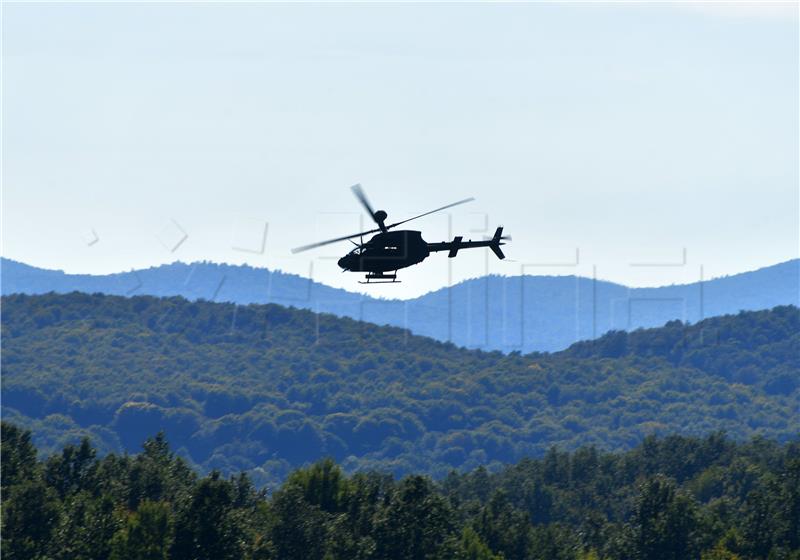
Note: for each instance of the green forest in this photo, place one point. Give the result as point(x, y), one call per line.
point(266, 389)
point(673, 498)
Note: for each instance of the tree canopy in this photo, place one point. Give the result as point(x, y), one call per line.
point(265, 389)
point(674, 498)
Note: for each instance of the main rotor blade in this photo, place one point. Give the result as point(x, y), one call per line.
point(362, 198)
point(329, 241)
point(470, 199)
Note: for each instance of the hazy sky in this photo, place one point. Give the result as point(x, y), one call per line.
point(135, 135)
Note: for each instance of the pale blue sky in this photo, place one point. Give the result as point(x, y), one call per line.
point(627, 131)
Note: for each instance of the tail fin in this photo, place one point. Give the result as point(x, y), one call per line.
point(495, 244)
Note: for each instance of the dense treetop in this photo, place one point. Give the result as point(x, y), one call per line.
point(264, 388)
point(675, 498)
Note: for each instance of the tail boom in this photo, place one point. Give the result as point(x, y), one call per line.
point(454, 246)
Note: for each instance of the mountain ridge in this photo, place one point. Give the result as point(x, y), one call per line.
point(508, 313)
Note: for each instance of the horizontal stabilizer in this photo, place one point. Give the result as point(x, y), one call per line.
point(455, 246)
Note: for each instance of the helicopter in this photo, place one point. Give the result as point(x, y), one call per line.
point(389, 251)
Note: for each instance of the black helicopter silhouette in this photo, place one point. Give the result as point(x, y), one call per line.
point(389, 251)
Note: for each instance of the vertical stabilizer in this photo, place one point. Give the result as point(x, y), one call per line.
point(495, 243)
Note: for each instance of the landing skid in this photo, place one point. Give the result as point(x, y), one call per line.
point(381, 279)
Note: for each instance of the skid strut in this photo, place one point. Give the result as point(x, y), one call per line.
point(380, 278)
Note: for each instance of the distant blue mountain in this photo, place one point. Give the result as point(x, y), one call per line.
point(517, 313)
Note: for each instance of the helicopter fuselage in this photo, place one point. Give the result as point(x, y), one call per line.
point(386, 252)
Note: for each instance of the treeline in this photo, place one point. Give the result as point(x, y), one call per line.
point(675, 498)
point(264, 388)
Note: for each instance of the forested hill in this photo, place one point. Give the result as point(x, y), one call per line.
point(758, 347)
point(264, 388)
point(514, 313)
